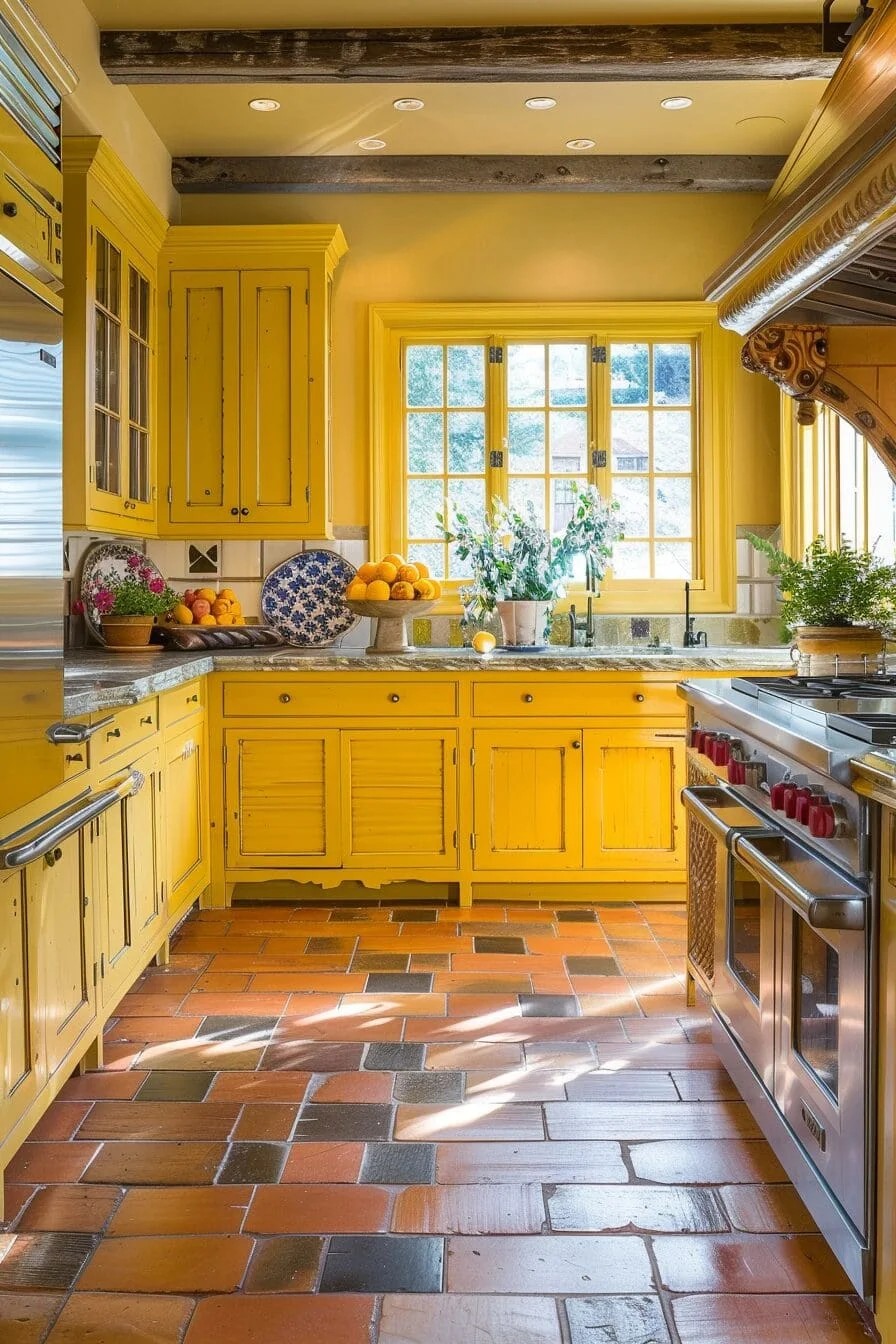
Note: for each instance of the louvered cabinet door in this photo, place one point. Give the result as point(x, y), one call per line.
point(527, 788)
point(634, 820)
point(399, 798)
point(282, 798)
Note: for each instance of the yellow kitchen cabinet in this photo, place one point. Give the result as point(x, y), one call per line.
point(399, 798)
point(527, 798)
point(245, 388)
point(282, 797)
point(113, 236)
point(22, 1069)
point(185, 807)
point(63, 965)
point(633, 779)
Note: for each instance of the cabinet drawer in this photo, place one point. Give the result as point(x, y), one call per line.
point(77, 758)
point(575, 699)
point(132, 725)
point(384, 696)
point(181, 702)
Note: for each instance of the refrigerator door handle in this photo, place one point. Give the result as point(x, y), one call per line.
point(62, 734)
point(17, 855)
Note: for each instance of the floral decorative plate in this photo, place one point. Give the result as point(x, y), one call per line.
point(107, 563)
point(303, 598)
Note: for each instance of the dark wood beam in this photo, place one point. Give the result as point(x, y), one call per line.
point(456, 55)
point(466, 172)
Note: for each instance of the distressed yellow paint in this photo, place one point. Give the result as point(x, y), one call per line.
point(399, 797)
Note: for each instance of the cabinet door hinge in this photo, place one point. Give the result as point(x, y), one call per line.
point(159, 779)
point(90, 475)
point(496, 458)
point(599, 457)
point(306, 298)
point(102, 965)
point(307, 494)
point(225, 755)
point(496, 354)
point(454, 840)
point(472, 839)
point(454, 755)
point(170, 493)
point(170, 299)
point(163, 893)
point(472, 755)
point(94, 972)
point(598, 354)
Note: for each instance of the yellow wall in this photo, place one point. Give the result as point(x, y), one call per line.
point(98, 107)
point(514, 247)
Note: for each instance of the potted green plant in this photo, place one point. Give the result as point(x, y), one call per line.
point(519, 570)
point(129, 607)
point(837, 604)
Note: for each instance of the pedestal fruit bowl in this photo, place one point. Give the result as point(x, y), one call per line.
point(390, 591)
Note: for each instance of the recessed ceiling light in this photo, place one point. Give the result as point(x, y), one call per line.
point(676, 104)
point(408, 104)
point(580, 144)
point(264, 104)
point(541, 104)
point(371, 142)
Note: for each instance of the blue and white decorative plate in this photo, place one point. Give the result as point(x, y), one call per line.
point(303, 598)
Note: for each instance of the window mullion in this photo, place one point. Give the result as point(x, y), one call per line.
point(496, 419)
point(600, 429)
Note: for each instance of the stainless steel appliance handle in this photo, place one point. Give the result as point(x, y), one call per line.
point(19, 854)
point(821, 912)
point(61, 734)
point(703, 801)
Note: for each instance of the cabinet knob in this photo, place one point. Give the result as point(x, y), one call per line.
point(527, 699)
point(244, 512)
point(235, 512)
point(577, 746)
point(10, 209)
point(285, 699)
point(113, 732)
point(394, 698)
point(193, 699)
point(639, 697)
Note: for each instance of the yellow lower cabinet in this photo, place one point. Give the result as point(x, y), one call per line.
point(22, 1068)
point(64, 984)
point(282, 797)
point(633, 778)
point(185, 807)
point(399, 798)
point(527, 798)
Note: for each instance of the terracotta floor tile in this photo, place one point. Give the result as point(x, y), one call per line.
point(451, 982)
point(487, 1008)
point(156, 1163)
point(757, 1319)
point(95, 1086)
point(622, 1085)
point(517, 1163)
point(404, 1005)
point(647, 1054)
point(259, 1087)
point(353, 1087)
point(121, 1318)
point(520, 1084)
point(50, 1163)
point(149, 1005)
point(222, 982)
point(194, 941)
point(343, 1028)
point(254, 1319)
point(704, 1085)
point(160, 1120)
point(473, 1055)
point(24, 1317)
point(766, 1208)
point(619, 1319)
point(60, 1121)
point(322, 1162)
point(636, 1208)
point(180, 1210)
point(654, 1120)
point(568, 1264)
point(42, 1261)
point(298, 981)
point(711, 1162)
point(201, 1055)
point(196, 1264)
point(151, 1029)
point(742, 1264)
point(250, 1005)
point(469, 1209)
point(70, 1208)
point(268, 1121)
point(469, 1121)
point(456, 1319)
point(166, 980)
point(322, 1209)
point(15, 1198)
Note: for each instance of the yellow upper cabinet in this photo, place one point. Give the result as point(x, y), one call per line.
point(245, 384)
point(113, 237)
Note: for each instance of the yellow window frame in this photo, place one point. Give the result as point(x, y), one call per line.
point(393, 326)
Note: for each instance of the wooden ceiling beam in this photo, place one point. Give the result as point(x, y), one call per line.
point(467, 172)
point(468, 55)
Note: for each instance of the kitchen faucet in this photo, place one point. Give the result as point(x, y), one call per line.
point(693, 639)
point(576, 623)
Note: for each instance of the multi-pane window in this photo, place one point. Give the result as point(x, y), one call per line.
point(138, 383)
point(527, 420)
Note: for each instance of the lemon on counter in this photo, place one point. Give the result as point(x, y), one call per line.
point(483, 642)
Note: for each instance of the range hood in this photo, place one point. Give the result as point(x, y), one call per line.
point(824, 248)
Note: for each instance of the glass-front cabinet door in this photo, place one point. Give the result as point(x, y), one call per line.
point(123, 358)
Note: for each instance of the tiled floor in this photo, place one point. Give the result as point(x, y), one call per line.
point(412, 1126)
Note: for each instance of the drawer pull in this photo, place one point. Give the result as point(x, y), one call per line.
point(394, 698)
point(639, 697)
point(193, 699)
point(74, 756)
point(113, 732)
point(235, 512)
point(147, 719)
point(527, 699)
point(285, 699)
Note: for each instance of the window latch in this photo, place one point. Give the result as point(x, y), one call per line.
point(599, 457)
point(496, 458)
point(598, 354)
point(496, 354)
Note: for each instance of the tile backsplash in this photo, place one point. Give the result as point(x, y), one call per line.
point(241, 565)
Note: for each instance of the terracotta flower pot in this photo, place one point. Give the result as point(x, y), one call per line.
point(826, 650)
point(523, 623)
point(127, 632)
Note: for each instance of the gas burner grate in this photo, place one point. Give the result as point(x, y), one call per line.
point(820, 688)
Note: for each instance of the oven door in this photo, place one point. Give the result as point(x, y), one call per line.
point(822, 1064)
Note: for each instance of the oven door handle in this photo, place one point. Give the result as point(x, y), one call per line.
point(821, 912)
point(703, 802)
point(23, 851)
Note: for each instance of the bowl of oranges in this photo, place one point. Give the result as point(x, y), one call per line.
point(391, 590)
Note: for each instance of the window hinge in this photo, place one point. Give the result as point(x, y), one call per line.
point(170, 493)
point(598, 354)
point(102, 965)
point(90, 475)
point(94, 972)
point(307, 494)
point(472, 839)
point(159, 778)
point(599, 457)
point(496, 458)
point(496, 354)
point(162, 893)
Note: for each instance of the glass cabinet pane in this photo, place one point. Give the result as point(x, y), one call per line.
point(107, 367)
point(745, 930)
point(816, 1016)
point(138, 385)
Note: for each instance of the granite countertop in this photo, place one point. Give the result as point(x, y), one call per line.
point(96, 679)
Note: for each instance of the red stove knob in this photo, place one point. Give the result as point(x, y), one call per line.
point(776, 795)
point(803, 805)
point(790, 795)
point(737, 771)
point(822, 819)
point(720, 753)
point(704, 743)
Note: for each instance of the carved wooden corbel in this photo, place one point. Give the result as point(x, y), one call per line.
point(793, 357)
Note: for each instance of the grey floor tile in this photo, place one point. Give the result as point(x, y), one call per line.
point(386, 1057)
point(549, 1005)
point(385, 982)
point(176, 1085)
point(592, 966)
point(399, 1164)
point(431, 1086)
point(514, 946)
point(616, 1320)
point(383, 1265)
point(344, 1121)
point(253, 1164)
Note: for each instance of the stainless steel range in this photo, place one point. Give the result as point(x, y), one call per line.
point(783, 900)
